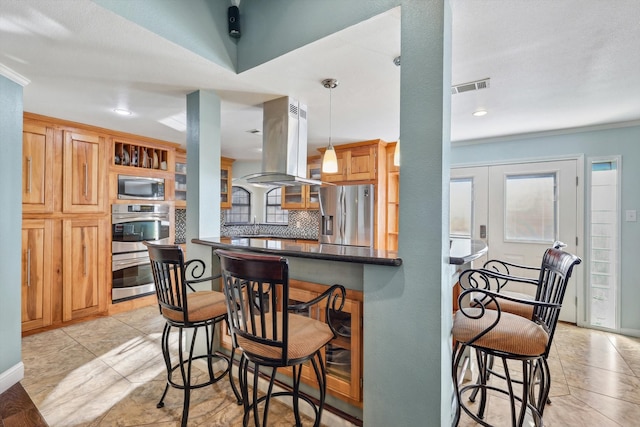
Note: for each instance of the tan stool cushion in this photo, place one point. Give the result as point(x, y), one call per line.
point(514, 307)
point(203, 305)
point(306, 336)
point(513, 334)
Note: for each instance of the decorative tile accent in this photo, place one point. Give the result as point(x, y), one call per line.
point(181, 225)
point(302, 225)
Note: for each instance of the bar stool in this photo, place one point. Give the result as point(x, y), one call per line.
point(495, 333)
point(186, 309)
point(264, 327)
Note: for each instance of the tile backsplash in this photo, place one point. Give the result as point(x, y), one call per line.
point(302, 225)
point(181, 225)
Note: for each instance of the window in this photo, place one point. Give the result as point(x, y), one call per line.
point(604, 241)
point(275, 213)
point(240, 211)
point(531, 208)
point(461, 207)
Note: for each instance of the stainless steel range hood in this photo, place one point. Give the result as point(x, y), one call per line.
point(284, 144)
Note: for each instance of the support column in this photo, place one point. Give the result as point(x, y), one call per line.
point(203, 170)
point(407, 310)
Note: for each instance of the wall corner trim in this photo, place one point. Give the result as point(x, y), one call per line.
point(13, 76)
point(11, 376)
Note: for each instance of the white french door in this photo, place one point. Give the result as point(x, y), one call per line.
point(519, 210)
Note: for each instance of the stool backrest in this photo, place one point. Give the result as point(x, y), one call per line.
point(167, 265)
point(256, 289)
point(555, 272)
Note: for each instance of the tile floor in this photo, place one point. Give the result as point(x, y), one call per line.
point(595, 382)
point(109, 372)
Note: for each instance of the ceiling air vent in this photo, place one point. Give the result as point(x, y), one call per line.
point(467, 87)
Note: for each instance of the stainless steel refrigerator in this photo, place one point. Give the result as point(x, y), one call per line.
point(347, 215)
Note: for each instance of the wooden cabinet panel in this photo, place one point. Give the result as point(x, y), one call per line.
point(361, 163)
point(226, 165)
point(37, 168)
point(84, 175)
point(393, 200)
point(133, 156)
point(36, 273)
point(83, 268)
point(304, 196)
point(181, 180)
point(356, 162)
point(343, 355)
point(341, 174)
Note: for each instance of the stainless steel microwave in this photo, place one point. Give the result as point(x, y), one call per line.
point(140, 188)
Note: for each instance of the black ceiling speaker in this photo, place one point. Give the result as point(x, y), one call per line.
point(233, 15)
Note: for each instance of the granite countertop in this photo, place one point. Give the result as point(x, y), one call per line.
point(462, 250)
point(315, 250)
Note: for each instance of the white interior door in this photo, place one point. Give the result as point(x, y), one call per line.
point(528, 207)
point(469, 200)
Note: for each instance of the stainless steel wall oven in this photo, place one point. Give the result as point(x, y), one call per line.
point(130, 226)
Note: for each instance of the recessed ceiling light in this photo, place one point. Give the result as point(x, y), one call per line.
point(480, 113)
point(122, 111)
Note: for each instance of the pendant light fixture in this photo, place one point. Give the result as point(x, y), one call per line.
point(329, 160)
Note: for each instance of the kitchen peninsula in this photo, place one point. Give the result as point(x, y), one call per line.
point(313, 267)
point(463, 251)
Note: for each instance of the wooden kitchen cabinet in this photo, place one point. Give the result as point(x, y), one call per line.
point(365, 162)
point(36, 273)
point(393, 199)
point(356, 162)
point(134, 155)
point(304, 196)
point(84, 173)
point(226, 165)
point(84, 268)
point(37, 168)
point(343, 355)
point(181, 180)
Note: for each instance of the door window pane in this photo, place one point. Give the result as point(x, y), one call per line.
point(461, 207)
point(530, 208)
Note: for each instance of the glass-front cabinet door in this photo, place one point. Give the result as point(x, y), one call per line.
point(343, 355)
point(225, 182)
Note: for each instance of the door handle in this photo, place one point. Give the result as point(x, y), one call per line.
point(86, 179)
point(29, 167)
point(28, 267)
point(84, 260)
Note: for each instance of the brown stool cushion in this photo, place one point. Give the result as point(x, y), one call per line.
point(306, 336)
point(513, 334)
point(203, 305)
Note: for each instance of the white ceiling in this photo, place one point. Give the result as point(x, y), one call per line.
point(552, 64)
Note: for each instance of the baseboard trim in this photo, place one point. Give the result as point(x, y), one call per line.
point(11, 376)
point(630, 332)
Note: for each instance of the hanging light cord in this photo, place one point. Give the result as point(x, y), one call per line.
point(330, 115)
